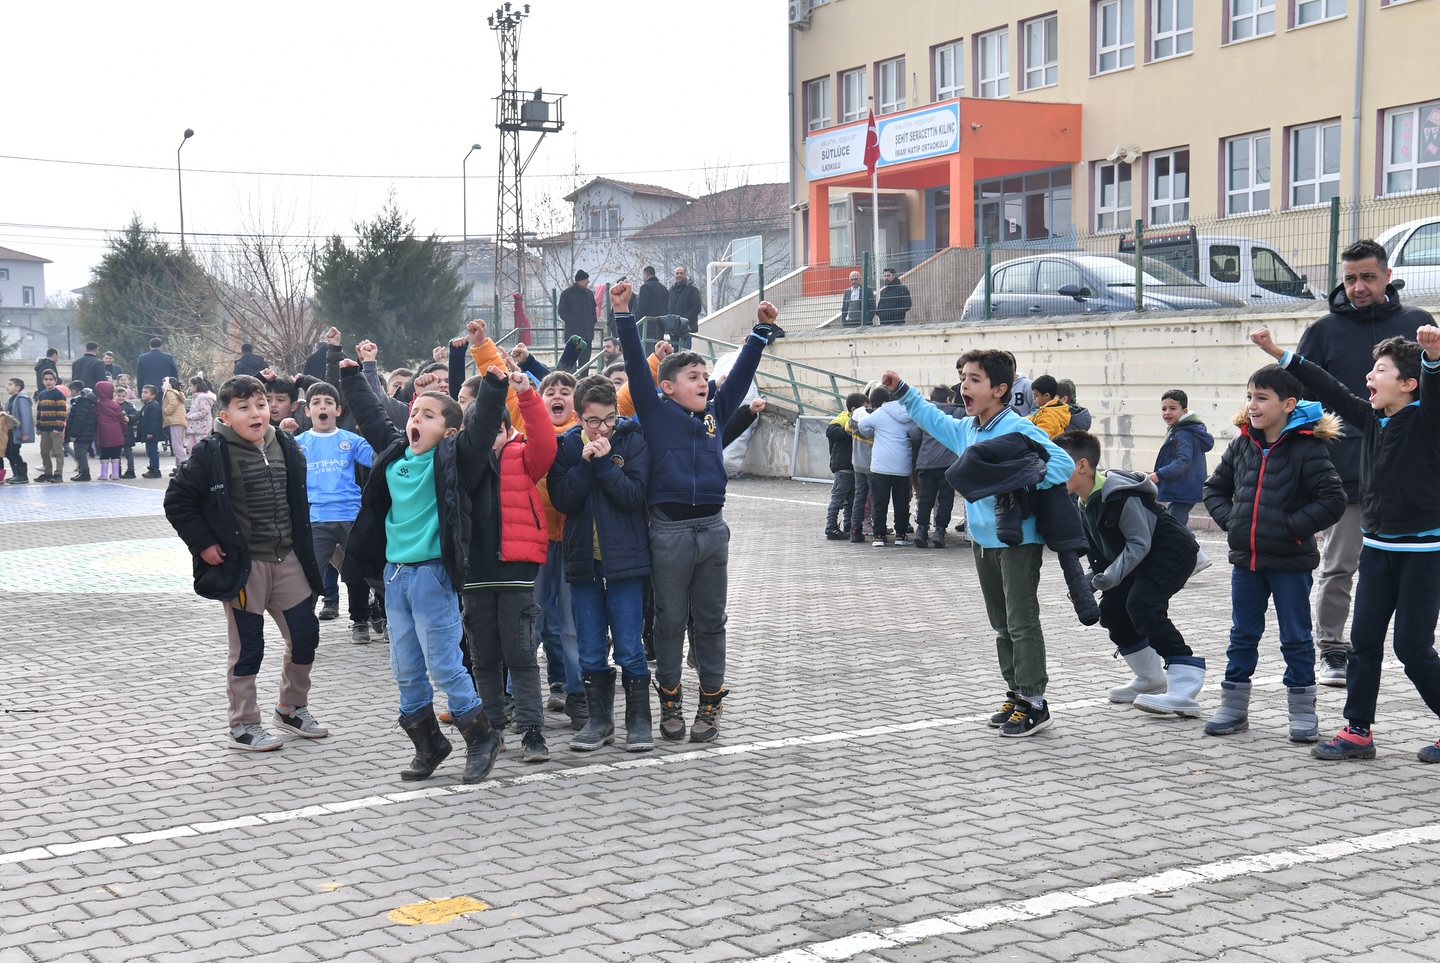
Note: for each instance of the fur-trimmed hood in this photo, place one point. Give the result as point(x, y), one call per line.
point(1307, 416)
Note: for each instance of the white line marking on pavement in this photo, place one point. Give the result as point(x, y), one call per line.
point(1038, 907)
point(767, 498)
point(125, 840)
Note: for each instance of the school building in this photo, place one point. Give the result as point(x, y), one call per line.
point(1040, 120)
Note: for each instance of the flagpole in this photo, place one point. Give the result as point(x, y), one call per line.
point(875, 206)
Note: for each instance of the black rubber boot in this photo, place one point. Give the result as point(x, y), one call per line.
point(431, 747)
point(600, 701)
point(482, 744)
point(1082, 596)
point(576, 709)
point(639, 737)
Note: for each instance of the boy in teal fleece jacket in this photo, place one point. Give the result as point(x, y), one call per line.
point(1009, 575)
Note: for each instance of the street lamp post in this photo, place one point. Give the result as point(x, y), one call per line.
point(465, 221)
point(180, 181)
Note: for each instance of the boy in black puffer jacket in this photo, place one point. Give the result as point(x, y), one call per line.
point(1274, 490)
point(80, 428)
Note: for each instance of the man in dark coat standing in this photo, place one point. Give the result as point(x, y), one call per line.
point(250, 363)
point(1365, 309)
point(88, 367)
point(685, 301)
point(894, 300)
point(652, 300)
point(857, 304)
point(154, 366)
point(577, 313)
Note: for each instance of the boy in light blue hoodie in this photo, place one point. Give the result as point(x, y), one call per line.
point(1009, 575)
point(891, 462)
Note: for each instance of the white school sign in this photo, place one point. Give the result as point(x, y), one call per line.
point(909, 136)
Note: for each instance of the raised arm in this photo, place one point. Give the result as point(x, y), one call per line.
point(641, 382)
point(371, 420)
point(1331, 393)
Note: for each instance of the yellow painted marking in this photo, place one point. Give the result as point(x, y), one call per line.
point(435, 911)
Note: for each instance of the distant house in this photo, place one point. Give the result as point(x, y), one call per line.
point(605, 215)
point(30, 343)
point(22, 286)
point(617, 232)
point(475, 260)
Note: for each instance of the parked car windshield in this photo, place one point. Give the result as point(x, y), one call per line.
point(1118, 271)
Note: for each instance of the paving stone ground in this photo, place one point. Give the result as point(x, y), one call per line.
point(854, 788)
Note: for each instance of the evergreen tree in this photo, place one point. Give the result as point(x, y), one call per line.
point(400, 291)
point(142, 288)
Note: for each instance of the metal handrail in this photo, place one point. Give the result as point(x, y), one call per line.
point(834, 396)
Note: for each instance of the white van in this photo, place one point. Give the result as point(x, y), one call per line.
point(1241, 266)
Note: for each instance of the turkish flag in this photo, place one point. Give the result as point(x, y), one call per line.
point(872, 145)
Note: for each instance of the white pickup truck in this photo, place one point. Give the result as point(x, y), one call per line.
point(1240, 266)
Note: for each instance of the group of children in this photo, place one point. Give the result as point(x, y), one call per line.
point(1273, 491)
point(105, 423)
point(456, 527)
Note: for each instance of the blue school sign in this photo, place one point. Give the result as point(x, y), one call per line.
point(910, 136)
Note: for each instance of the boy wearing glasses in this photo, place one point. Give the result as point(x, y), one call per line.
point(599, 482)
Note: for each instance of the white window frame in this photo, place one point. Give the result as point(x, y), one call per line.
point(603, 221)
point(1323, 10)
point(1108, 216)
point(1251, 191)
point(1175, 204)
point(1181, 39)
point(1044, 72)
point(993, 50)
point(1421, 116)
point(852, 111)
point(1322, 176)
point(892, 100)
point(1122, 51)
point(949, 58)
point(4, 274)
point(817, 90)
point(27, 297)
point(1257, 17)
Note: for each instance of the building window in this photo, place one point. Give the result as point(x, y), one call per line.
point(605, 221)
point(1042, 52)
point(839, 232)
point(1170, 187)
point(1172, 28)
point(950, 70)
point(1251, 18)
point(994, 57)
point(27, 297)
point(1412, 149)
point(1314, 164)
point(891, 85)
point(817, 104)
point(1247, 174)
point(1112, 197)
point(1314, 11)
point(4, 274)
point(852, 96)
point(1114, 35)
point(1025, 207)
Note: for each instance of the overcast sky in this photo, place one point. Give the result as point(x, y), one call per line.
point(669, 92)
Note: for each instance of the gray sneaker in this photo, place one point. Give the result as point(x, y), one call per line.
point(253, 738)
point(360, 633)
point(556, 702)
point(300, 722)
point(1332, 669)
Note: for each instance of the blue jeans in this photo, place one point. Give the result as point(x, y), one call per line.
point(557, 626)
point(425, 633)
point(617, 604)
point(842, 493)
point(152, 455)
point(330, 581)
point(1180, 511)
point(1250, 594)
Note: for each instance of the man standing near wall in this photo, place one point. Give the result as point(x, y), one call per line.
point(154, 366)
point(577, 313)
point(1365, 309)
point(857, 304)
point(88, 367)
point(685, 300)
point(894, 299)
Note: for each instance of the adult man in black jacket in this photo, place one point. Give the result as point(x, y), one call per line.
point(857, 304)
point(652, 300)
point(1365, 309)
point(250, 363)
point(155, 365)
point(577, 312)
point(685, 300)
point(88, 367)
point(894, 300)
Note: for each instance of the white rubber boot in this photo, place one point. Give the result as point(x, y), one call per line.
point(1149, 671)
point(1182, 685)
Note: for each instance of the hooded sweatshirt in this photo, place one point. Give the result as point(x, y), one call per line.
point(1126, 530)
point(1342, 343)
point(1181, 461)
point(889, 425)
point(1272, 498)
point(110, 418)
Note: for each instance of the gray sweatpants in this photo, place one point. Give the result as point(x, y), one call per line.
point(1339, 560)
point(690, 563)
